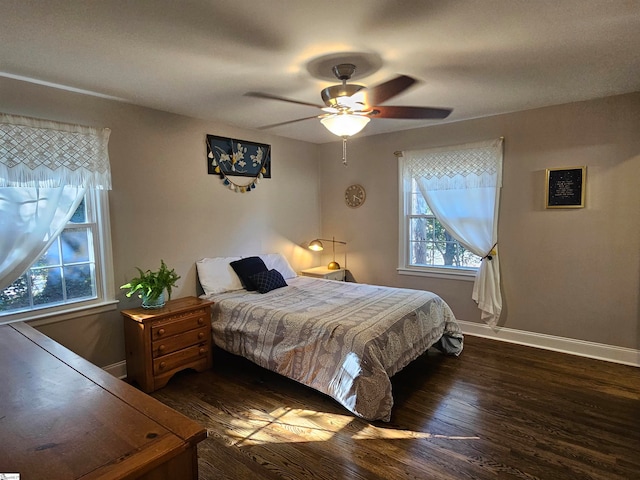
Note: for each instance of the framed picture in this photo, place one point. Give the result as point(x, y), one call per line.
point(237, 157)
point(565, 187)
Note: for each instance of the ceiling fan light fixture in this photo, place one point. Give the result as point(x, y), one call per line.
point(345, 124)
point(348, 107)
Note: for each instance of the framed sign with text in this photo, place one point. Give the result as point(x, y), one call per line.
point(565, 187)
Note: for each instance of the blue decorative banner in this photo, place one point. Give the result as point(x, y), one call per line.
point(228, 156)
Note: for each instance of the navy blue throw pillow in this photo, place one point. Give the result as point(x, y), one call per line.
point(247, 267)
point(267, 281)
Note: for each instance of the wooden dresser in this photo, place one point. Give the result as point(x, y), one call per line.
point(160, 342)
point(62, 417)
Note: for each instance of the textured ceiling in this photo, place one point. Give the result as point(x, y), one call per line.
point(199, 58)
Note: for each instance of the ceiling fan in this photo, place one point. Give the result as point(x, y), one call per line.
point(348, 107)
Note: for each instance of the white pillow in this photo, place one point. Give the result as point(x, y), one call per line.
point(217, 276)
point(278, 262)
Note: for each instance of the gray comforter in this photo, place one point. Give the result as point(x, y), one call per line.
point(343, 339)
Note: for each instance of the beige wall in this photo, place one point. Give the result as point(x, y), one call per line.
point(568, 273)
point(165, 205)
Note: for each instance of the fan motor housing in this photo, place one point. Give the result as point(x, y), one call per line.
point(330, 94)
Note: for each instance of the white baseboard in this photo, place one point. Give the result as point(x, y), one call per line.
point(118, 370)
point(600, 351)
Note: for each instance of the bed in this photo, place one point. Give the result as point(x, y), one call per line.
point(343, 339)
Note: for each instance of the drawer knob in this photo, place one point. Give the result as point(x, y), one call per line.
point(162, 348)
point(203, 351)
point(200, 321)
point(162, 365)
point(161, 331)
point(201, 335)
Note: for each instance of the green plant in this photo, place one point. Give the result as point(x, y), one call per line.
point(152, 284)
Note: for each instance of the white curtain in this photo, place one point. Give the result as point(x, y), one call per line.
point(461, 185)
point(45, 170)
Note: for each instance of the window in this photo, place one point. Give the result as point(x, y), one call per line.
point(448, 195)
point(425, 245)
point(428, 243)
point(448, 205)
point(54, 220)
point(75, 271)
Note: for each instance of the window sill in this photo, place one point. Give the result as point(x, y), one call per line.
point(37, 319)
point(446, 273)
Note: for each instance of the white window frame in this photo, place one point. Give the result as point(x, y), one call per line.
point(97, 204)
point(404, 267)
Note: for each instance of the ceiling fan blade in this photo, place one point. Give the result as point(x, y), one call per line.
point(269, 96)
point(411, 112)
point(273, 125)
point(389, 89)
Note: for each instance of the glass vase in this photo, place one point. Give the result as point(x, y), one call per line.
point(153, 303)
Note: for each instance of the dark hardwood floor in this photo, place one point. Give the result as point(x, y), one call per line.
point(499, 411)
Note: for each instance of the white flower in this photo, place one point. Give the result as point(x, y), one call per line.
point(239, 153)
point(257, 158)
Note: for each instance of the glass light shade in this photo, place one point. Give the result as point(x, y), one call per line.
point(345, 124)
point(316, 246)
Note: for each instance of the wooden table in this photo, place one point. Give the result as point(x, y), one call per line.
point(62, 417)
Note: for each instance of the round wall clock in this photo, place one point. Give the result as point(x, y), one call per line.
point(354, 195)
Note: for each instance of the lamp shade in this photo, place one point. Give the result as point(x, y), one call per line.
point(316, 245)
point(345, 124)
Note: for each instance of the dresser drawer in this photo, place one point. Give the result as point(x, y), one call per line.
point(178, 324)
point(176, 342)
point(177, 359)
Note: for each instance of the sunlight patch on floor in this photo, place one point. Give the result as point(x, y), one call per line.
point(372, 432)
point(285, 425)
point(290, 425)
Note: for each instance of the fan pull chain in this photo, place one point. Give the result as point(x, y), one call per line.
point(344, 151)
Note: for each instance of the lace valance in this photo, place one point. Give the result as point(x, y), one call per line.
point(472, 165)
point(46, 154)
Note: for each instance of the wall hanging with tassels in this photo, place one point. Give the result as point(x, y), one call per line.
point(228, 157)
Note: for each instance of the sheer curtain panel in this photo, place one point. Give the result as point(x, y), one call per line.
point(461, 184)
point(45, 170)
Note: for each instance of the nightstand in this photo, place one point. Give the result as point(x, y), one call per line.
point(161, 342)
point(324, 272)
